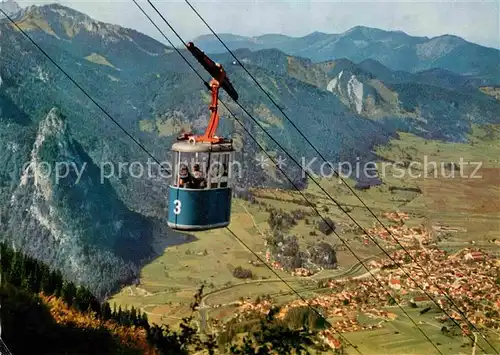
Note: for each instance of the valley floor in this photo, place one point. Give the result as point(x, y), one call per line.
point(441, 211)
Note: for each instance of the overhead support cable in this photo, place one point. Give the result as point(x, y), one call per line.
point(295, 186)
point(445, 294)
point(156, 160)
point(249, 133)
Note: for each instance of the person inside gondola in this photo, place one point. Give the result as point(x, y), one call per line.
point(224, 175)
point(197, 178)
point(184, 177)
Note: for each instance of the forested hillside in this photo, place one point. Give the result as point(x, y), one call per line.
point(59, 317)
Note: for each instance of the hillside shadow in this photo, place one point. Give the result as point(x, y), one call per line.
point(11, 113)
point(165, 237)
point(152, 235)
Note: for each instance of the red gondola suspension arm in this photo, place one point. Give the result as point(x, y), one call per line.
point(219, 80)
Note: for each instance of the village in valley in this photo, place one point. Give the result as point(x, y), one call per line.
point(419, 276)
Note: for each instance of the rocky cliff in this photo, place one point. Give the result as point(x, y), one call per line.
point(64, 213)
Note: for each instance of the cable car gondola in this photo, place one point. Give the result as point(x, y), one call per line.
point(199, 197)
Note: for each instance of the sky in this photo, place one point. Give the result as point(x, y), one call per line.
point(476, 21)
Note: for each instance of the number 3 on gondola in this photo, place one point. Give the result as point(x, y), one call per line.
point(177, 206)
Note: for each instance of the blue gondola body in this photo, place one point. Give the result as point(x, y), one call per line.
point(199, 197)
point(190, 209)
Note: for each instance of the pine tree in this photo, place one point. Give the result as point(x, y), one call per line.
point(35, 281)
point(68, 293)
point(84, 300)
point(56, 281)
point(45, 285)
point(145, 321)
point(133, 316)
point(95, 305)
point(114, 315)
point(106, 311)
point(120, 315)
point(16, 272)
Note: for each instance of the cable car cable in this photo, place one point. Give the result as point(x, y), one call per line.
point(172, 45)
point(321, 156)
point(279, 145)
point(335, 232)
point(332, 227)
point(255, 121)
point(409, 276)
point(99, 106)
point(340, 177)
point(83, 90)
point(368, 270)
point(348, 186)
point(234, 235)
point(255, 140)
point(142, 147)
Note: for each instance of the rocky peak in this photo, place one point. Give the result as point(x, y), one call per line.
point(98, 42)
point(54, 125)
point(52, 145)
point(65, 21)
point(79, 223)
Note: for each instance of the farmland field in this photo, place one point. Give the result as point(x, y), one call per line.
point(400, 336)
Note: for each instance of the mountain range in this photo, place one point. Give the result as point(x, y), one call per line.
point(394, 49)
point(436, 103)
point(100, 231)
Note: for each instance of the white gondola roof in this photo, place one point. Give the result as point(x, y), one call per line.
point(187, 147)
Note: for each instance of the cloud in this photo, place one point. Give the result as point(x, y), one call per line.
point(476, 21)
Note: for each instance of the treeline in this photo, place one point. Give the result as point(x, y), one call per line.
point(32, 326)
point(28, 274)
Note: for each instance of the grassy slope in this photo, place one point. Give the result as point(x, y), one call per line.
point(168, 283)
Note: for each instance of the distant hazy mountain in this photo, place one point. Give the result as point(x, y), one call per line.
point(10, 7)
point(433, 103)
point(394, 49)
